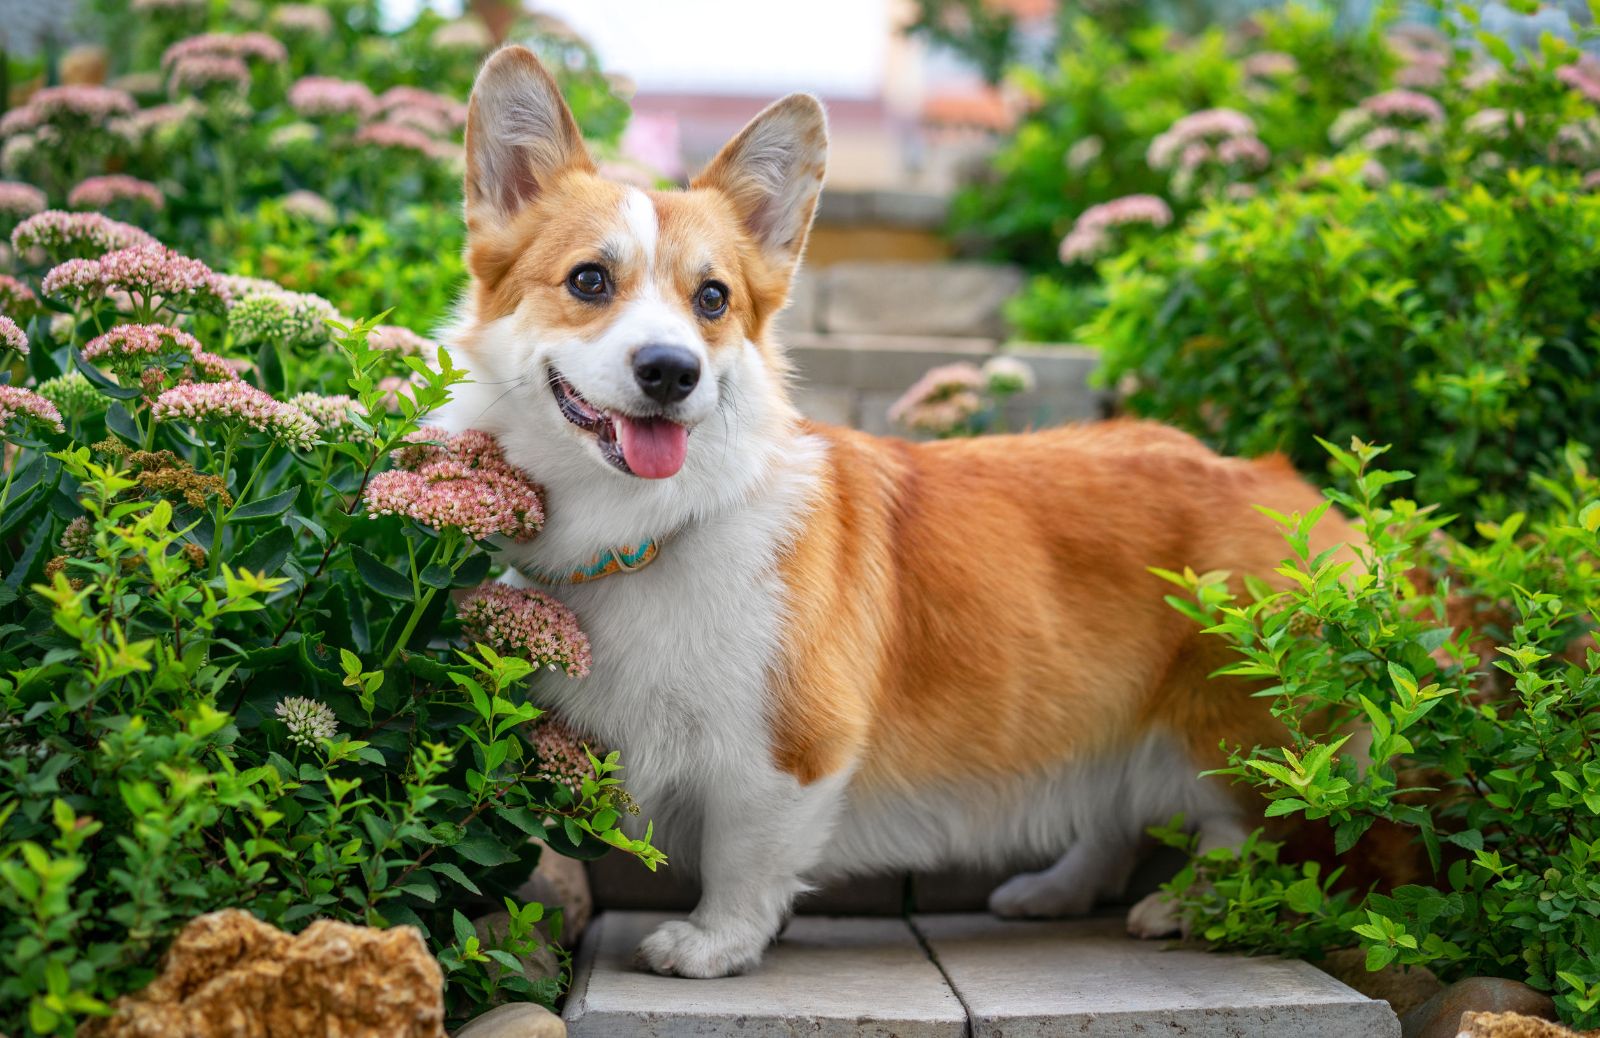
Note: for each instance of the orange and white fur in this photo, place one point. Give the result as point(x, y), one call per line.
point(852, 654)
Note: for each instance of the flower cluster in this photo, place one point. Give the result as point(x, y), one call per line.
point(77, 538)
point(308, 721)
point(462, 481)
point(397, 136)
point(1217, 144)
point(1582, 76)
point(325, 96)
point(134, 348)
point(297, 318)
point(1091, 237)
point(16, 297)
point(1007, 376)
point(72, 393)
point(247, 46)
point(200, 73)
point(74, 104)
point(563, 758)
point(526, 623)
point(334, 415)
point(1269, 64)
point(302, 20)
point(240, 404)
point(309, 206)
point(403, 341)
point(464, 34)
point(423, 109)
point(153, 276)
point(16, 402)
point(12, 337)
point(60, 235)
point(942, 400)
point(104, 192)
point(18, 200)
point(1402, 121)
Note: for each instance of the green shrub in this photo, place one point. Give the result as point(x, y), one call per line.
point(1456, 324)
point(231, 669)
point(1473, 671)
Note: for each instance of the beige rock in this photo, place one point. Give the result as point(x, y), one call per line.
point(84, 64)
point(561, 882)
point(1441, 1015)
point(1403, 987)
point(1515, 1025)
point(516, 1020)
point(229, 975)
point(492, 929)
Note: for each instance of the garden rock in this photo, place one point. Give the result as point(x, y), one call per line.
point(1515, 1025)
point(516, 1020)
point(561, 882)
point(1441, 1015)
point(229, 975)
point(541, 964)
point(1404, 988)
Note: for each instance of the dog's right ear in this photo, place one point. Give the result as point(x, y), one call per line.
point(520, 135)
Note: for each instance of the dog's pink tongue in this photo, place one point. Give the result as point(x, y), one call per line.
point(653, 447)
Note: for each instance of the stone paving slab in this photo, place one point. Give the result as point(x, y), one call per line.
point(826, 977)
point(1086, 977)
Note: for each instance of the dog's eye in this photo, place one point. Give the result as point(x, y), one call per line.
point(712, 299)
point(589, 282)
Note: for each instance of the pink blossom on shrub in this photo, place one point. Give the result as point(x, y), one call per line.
point(16, 297)
point(1269, 64)
point(16, 402)
point(18, 199)
point(141, 343)
point(101, 192)
point(77, 102)
point(1582, 78)
point(463, 482)
point(942, 399)
point(1492, 122)
point(400, 340)
point(528, 624)
point(197, 73)
point(59, 234)
point(248, 46)
point(237, 403)
point(1081, 245)
point(1129, 209)
point(306, 19)
point(325, 95)
point(467, 34)
point(12, 337)
point(1211, 124)
point(415, 99)
point(1404, 105)
point(1247, 152)
point(333, 413)
point(77, 279)
point(398, 137)
point(158, 276)
point(238, 286)
point(310, 206)
point(563, 761)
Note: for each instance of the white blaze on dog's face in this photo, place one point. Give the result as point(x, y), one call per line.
point(638, 312)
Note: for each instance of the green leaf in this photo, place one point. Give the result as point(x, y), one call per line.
point(455, 875)
point(482, 849)
point(265, 508)
point(266, 554)
point(379, 577)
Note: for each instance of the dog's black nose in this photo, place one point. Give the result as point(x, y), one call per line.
point(667, 374)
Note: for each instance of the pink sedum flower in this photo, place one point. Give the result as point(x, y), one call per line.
point(395, 137)
point(464, 482)
point(75, 103)
point(76, 279)
point(60, 234)
point(1129, 209)
point(325, 96)
point(131, 348)
point(248, 46)
point(18, 403)
point(155, 276)
point(103, 192)
point(17, 199)
point(941, 400)
point(309, 206)
point(16, 297)
point(1207, 125)
point(408, 99)
point(563, 759)
point(528, 624)
point(237, 404)
point(198, 73)
point(1404, 106)
point(12, 337)
point(404, 341)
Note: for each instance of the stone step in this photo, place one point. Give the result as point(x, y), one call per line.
point(848, 977)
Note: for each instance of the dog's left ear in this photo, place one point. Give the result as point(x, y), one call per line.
point(772, 173)
point(520, 136)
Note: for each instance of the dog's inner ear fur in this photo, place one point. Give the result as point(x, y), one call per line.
point(520, 135)
point(772, 174)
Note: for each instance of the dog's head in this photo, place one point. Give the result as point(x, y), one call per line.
point(629, 326)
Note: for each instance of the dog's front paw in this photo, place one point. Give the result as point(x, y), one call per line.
point(1156, 915)
point(682, 949)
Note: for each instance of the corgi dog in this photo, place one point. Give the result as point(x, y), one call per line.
point(825, 653)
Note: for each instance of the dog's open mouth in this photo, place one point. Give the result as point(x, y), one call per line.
point(649, 446)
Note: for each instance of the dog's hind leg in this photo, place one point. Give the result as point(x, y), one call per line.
point(1095, 867)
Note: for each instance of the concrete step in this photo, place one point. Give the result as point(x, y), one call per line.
point(850, 977)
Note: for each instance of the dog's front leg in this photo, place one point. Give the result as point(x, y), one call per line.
point(759, 836)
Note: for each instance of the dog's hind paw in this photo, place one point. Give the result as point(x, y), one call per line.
point(1156, 915)
point(682, 949)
